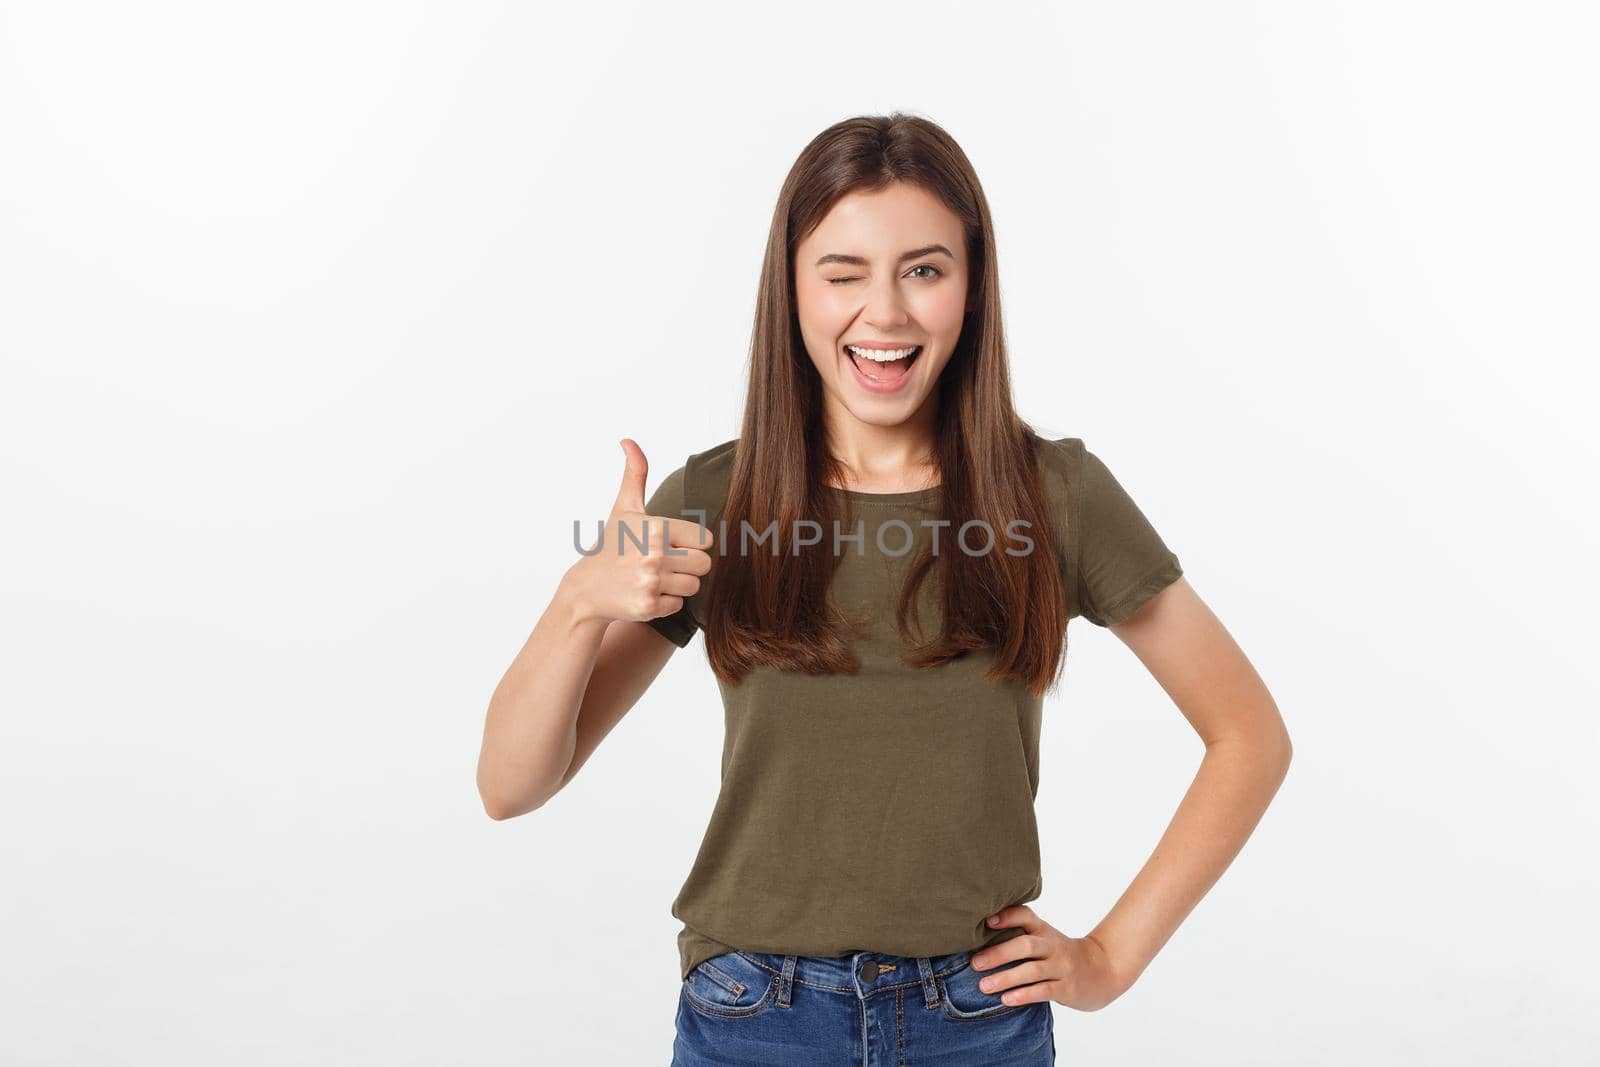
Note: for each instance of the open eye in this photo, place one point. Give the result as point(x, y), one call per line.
point(929, 266)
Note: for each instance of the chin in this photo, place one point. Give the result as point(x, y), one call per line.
point(885, 414)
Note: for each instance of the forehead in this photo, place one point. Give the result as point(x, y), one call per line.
point(884, 222)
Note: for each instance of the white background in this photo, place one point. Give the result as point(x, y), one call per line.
point(321, 322)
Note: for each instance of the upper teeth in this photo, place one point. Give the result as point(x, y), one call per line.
point(882, 355)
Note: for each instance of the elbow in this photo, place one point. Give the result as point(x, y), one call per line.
point(507, 791)
point(1282, 753)
point(495, 809)
point(500, 807)
point(500, 810)
point(1266, 750)
point(494, 806)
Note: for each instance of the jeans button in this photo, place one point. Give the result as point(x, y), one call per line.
point(869, 970)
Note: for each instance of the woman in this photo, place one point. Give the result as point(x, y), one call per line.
point(884, 578)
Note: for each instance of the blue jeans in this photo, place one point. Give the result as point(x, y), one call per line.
point(867, 1009)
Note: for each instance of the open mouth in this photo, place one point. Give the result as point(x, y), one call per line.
point(886, 366)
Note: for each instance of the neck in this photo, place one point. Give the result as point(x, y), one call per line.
point(885, 459)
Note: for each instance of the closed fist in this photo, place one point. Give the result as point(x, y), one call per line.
point(647, 565)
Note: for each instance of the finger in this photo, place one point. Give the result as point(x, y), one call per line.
point(688, 561)
point(631, 496)
point(654, 534)
point(674, 584)
point(637, 534)
point(1031, 993)
point(1001, 952)
point(684, 533)
point(1016, 915)
point(1022, 974)
point(666, 604)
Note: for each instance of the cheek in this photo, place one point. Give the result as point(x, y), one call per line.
point(943, 312)
point(814, 306)
point(816, 331)
point(823, 319)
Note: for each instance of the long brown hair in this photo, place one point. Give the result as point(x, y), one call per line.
point(772, 609)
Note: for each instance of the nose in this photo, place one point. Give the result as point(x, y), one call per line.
point(885, 309)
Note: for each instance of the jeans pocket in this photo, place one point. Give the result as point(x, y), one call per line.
point(730, 986)
point(963, 1001)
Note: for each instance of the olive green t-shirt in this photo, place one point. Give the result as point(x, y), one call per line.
point(889, 810)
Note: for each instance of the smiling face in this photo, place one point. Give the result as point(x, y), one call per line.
point(886, 270)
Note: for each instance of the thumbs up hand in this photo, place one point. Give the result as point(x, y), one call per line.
point(623, 581)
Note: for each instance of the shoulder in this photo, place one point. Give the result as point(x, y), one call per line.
point(1062, 456)
point(714, 462)
point(707, 476)
point(700, 482)
point(1062, 463)
point(1115, 556)
point(1075, 473)
point(1083, 492)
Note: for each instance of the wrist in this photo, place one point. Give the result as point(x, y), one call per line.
point(573, 606)
point(1123, 966)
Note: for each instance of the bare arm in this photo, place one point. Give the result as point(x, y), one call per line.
point(1194, 658)
point(574, 679)
point(590, 656)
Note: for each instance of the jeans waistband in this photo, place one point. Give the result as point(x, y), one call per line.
point(860, 974)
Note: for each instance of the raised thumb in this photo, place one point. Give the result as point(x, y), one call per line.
point(631, 496)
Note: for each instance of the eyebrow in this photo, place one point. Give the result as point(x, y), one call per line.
point(860, 261)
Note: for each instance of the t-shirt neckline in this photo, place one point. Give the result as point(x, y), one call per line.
point(909, 496)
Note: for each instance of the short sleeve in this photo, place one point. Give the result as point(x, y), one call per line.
point(1120, 559)
point(669, 500)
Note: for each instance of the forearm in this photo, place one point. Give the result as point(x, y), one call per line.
point(1237, 779)
point(531, 729)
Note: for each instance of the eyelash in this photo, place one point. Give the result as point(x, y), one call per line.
point(919, 266)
